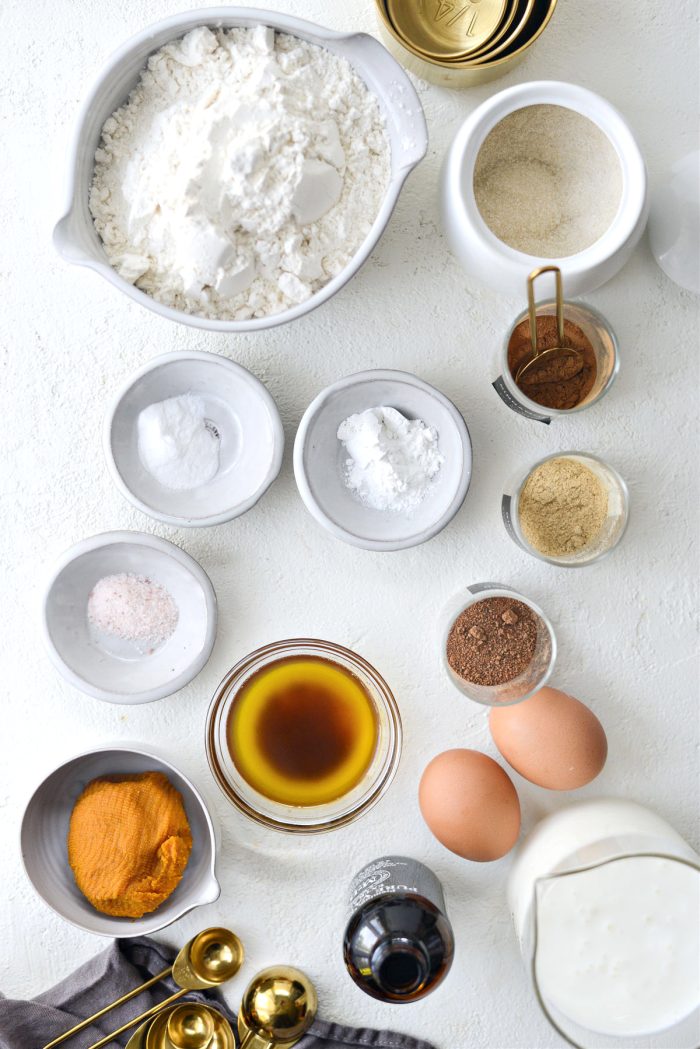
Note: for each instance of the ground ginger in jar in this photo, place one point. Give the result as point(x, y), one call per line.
point(562, 508)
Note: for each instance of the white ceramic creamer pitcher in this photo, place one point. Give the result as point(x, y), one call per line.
point(605, 896)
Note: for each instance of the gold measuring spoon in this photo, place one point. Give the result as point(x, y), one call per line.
point(208, 960)
point(556, 352)
point(277, 1009)
point(189, 1026)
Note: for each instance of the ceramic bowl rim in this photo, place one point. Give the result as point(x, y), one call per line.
point(155, 542)
point(300, 473)
point(133, 930)
point(255, 385)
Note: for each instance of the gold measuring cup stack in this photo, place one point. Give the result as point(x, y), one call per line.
point(459, 43)
point(188, 1026)
point(277, 1009)
point(208, 960)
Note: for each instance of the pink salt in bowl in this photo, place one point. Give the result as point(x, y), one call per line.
point(112, 668)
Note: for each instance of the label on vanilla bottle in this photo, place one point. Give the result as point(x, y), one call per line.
point(508, 398)
point(395, 874)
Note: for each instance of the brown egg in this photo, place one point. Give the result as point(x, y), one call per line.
point(470, 805)
point(551, 739)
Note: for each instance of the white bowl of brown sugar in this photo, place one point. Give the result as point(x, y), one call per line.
point(541, 172)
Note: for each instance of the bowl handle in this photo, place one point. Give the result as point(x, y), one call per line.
point(211, 890)
point(68, 242)
point(389, 80)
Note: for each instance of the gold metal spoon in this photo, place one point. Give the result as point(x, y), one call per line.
point(559, 351)
point(208, 960)
point(189, 1026)
point(277, 1009)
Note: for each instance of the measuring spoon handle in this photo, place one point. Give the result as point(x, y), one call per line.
point(118, 1001)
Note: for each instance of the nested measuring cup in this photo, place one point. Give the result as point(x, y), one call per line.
point(603, 343)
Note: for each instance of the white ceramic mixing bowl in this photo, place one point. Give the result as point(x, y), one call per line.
point(112, 669)
point(44, 833)
point(239, 407)
point(75, 235)
point(487, 258)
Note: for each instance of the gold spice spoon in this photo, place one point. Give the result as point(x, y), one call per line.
point(540, 357)
point(277, 1009)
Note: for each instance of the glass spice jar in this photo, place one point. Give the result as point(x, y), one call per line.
point(609, 535)
point(539, 668)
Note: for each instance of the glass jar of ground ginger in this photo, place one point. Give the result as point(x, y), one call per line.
point(569, 509)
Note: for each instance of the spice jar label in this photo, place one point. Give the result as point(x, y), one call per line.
point(506, 503)
point(478, 587)
point(508, 398)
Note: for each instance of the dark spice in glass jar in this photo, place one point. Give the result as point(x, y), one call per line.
point(558, 382)
point(492, 641)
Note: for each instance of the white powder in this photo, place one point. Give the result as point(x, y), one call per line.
point(176, 445)
point(547, 181)
point(132, 608)
point(391, 460)
point(242, 174)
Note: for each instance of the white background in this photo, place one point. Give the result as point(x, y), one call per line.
point(625, 627)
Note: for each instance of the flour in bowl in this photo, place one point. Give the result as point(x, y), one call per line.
point(241, 175)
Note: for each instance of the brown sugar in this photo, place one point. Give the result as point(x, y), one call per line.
point(558, 382)
point(128, 843)
point(492, 641)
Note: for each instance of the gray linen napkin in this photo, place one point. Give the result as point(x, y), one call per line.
point(126, 963)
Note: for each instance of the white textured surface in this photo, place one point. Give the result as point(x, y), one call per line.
point(625, 626)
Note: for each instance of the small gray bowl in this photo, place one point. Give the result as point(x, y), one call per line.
point(44, 833)
point(237, 404)
point(112, 669)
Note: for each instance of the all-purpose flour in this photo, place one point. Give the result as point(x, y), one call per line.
point(242, 174)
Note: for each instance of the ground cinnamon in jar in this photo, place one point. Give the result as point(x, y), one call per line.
point(558, 382)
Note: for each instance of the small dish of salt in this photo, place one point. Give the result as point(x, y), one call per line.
point(128, 617)
point(382, 460)
point(193, 439)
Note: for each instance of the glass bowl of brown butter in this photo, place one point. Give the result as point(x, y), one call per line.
point(303, 736)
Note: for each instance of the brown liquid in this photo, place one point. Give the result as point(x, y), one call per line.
point(303, 730)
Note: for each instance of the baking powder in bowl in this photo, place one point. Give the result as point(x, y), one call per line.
point(391, 460)
point(242, 174)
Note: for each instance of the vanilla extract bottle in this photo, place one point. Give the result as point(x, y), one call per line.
point(398, 943)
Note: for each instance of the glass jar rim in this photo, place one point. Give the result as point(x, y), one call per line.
point(481, 592)
point(515, 503)
point(541, 409)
